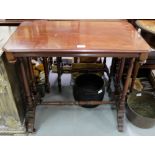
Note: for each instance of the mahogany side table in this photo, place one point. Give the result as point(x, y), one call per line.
point(76, 38)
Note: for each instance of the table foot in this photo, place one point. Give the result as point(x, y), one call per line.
point(30, 118)
point(120, 128)
point(120, 119)
point(113, 107)
point(47, 87)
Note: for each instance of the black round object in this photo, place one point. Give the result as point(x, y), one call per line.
point(88, 87)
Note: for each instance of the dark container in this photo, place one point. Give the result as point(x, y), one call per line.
point(140, 109)
point(88, 87)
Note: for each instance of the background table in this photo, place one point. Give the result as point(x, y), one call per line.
point(148, 33)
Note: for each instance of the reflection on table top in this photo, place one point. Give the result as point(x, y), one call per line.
point(109, 36)
point(147, 25)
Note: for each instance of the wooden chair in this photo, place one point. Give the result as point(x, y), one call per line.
point(83, 65)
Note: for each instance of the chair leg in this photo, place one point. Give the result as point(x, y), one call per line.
point(119, 75)
point(106, 68)
point(75, 59)
point(50, 62)
point(135, 73)
point(59, 61)
point(47, 84)
point(112, 74)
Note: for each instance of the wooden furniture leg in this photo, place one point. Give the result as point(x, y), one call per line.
point(59, 60)
point(121, 105)
point(112, 68)
point(33, 81)
point(105, 67)
point(36, 96)
point(29, 77)
point(30, 107)
point(46, 69)
point(75, 59)
point(119, 75)
point(137, 65)
point(50, 62)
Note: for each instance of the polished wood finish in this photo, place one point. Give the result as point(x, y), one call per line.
point(75, 37)
point(17, 22)
point(79, 39)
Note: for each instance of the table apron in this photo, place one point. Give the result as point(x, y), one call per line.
point(47, 54)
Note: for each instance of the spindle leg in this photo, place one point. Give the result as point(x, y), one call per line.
point(121, 105)
point(59, 61)
point(30, 106)
point(46, 69)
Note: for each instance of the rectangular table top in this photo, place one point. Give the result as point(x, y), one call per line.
point(72, 36)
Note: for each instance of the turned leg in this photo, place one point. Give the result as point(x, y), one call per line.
point(75, 59)
point(137, 65)
point(116, 75)
point(112, 68)
point(119, 76)
point(112, 73)
point(117, 81)
point(105, 67)
point(33, 80)
point(47, 84)
point(121, 105)
point(36, 95)
point(30, 106)
point(50, 62)
point(59, 60)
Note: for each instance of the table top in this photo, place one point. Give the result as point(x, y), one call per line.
point(76, 36)
point(147, 25)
